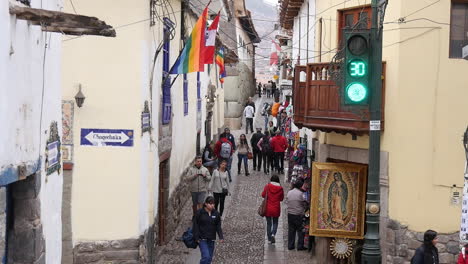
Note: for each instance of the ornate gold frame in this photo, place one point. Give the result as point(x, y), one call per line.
point(318, 190)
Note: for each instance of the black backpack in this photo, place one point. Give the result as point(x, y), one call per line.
point(187, 237)
point(266, 147)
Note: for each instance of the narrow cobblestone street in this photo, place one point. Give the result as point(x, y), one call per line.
point(244, 231)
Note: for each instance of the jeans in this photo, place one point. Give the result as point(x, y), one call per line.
point(248, 122)
point(219, 200)
point(295, 226)
point(279, 161)
point(212, 163)
point(243, 157)
point(257, 159)
point(272, 226)
point(206, 250)
point(267, 162)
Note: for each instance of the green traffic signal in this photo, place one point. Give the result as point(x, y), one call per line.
point(356, 92)
point(356, 67)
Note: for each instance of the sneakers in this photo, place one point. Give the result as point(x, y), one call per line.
point(272, 239)
point(247, 174)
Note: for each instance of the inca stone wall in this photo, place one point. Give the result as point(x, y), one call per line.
point(126, 251)
point(25, 237)
point(401, 244)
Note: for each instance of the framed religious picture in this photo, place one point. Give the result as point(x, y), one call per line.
point(338, 200)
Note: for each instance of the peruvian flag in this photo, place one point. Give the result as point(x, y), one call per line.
point(275, 50)
point(210, 41)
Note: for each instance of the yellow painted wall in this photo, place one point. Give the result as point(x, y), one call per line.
point(106, 180)
point(425, 112)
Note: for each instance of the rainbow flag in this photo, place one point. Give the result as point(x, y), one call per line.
point(191, 58)
point(220, 63)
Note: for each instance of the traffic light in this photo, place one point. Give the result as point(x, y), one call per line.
point(356, 73)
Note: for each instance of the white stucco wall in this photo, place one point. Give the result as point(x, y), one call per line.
point(31, 96)
point(303, 33)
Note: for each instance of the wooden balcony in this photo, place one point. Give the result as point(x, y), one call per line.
point(317, 103)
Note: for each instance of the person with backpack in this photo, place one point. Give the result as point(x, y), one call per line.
point(223, 151)
point(463, 257)
point(427, 253)
point(279, 144)
point(257, 154)
point(198, 177)
point(242, 155)
point(267, 153)
point(274, 195)
point(206, 224)
point(227, 134)
point(219, 185)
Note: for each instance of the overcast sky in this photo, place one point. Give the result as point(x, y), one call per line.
point(271, 2)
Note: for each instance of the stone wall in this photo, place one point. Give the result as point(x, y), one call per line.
point(125, 251)
point(401, 244)
point(25, 235)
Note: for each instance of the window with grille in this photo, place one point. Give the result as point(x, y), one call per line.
point(166, 87)
point(458, 28)
point(357, 17)
point(185, 95)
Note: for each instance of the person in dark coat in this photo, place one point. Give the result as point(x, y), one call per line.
point(206, 224)
point(274, 194)
point(427, 253)
point(257, 153)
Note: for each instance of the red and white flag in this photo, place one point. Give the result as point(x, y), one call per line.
point(275, 50)
point(210, 41)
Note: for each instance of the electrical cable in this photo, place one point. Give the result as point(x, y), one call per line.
point(73, 6)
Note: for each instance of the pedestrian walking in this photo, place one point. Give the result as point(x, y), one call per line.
point(251, 103)
point(198, 177)
point(297, 205)
point(427, 253)
point(267, 152)
point(223, 150)
point(249, 113)
point(274, 91)
point(279, 144)
point(219, 185)
point(463, 257)
point(259, 90)
point(243, 150)
point(257, 153)
point(206, 224)
point(264, 89)
point(209, 158)
point(268, 89)
point(266, 113)
point(271, 128)
point(227, 134)
point(274, 196)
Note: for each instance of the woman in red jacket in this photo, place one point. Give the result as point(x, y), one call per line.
point(274, 195)
point(463, 257)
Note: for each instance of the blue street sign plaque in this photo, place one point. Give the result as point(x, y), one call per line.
point(106, 137)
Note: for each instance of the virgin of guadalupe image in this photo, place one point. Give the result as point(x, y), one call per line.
point(337, 198)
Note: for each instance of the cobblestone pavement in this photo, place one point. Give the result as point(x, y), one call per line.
point(244, 230)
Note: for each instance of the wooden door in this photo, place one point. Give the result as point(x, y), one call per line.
point(162, 203)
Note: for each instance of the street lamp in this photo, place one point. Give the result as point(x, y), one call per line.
point(79, 97)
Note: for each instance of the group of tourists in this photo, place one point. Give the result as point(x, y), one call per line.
point(269, 89)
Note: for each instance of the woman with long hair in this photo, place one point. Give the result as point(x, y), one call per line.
point(242, 150)
point(274, 195)
point(219, 185)
point(206, 224)
point(427, 253)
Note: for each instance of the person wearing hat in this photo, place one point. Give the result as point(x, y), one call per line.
point(427, 253)
point(257, 153)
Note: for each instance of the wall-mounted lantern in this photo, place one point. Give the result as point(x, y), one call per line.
point(79, 97)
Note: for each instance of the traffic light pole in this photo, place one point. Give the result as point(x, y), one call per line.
point(371, 253)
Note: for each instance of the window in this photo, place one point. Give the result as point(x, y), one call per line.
point(357, 17)
point(166, 87)
point(185, 95)
point(458, 28)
